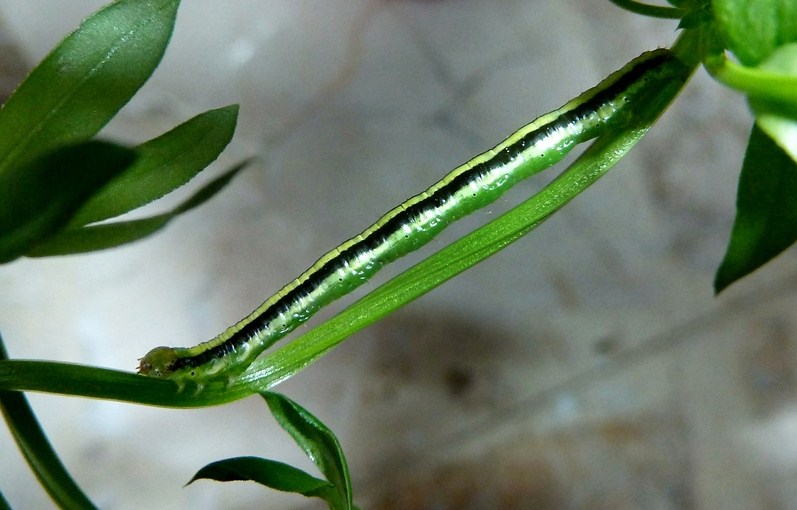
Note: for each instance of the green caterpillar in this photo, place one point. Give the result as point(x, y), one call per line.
point(415, 222)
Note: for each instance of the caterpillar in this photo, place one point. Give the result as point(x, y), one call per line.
point(412, 224)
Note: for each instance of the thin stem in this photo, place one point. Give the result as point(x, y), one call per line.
point(36, 448)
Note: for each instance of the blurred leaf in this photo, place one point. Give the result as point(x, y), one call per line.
point(33, 443)
point(86, 79)
point(273, 474)
point(780, 128)
point(782, 61)
point(776, 107)
point(164, 164)
point(753, 30)
point(40, 197)
point(647, 9)
point(317, 442)
point(109, 235)
point(766, 210)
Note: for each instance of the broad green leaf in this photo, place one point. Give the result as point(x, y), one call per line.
point(86, 79)
point(33, 443)
point(271, 473)
point(40, 197)
point(164, 164)
point(317, 442)
point(752, 30)
point(766, 210)
point(109, 235)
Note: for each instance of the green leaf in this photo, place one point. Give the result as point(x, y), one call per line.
point(109, 235)
point(753, 30)
point(780, 128)
point(645, 9)
point(40, 197)
point(86, 79)
point(782, 61)
point(776, 106)
point(33, 443)
point(766, 210)
point(317, 442)
point(99, 237)
point(164, 164)
point(103, 383)
point(271, 473)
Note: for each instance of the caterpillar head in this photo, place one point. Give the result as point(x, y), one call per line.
point(158, 362)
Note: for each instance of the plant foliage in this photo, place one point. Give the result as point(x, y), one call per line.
point(60, 187)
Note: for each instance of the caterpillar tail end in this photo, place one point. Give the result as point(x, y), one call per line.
point(158, 362)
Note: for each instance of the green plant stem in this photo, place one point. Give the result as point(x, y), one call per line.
point(93, 382)
point(42, 459)
point(751, 80)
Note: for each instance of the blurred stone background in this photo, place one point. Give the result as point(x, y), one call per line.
point(587, 366)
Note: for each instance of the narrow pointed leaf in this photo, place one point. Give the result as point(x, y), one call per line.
point(99, 237)
point(766, 210)
point(271, 473)
point(86, 79)
point(318, 443)
point(647, 9)
point(109, 235)
point(40, 197)
point(164, 164)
